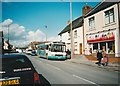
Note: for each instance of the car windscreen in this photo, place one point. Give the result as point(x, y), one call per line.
point(16, 64)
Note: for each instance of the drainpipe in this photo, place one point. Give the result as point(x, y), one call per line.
point(118, 27)
point(119, 15)
point(83, 37)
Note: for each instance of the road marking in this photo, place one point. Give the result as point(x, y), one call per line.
point(39, 60)
point(85, 80)
point(54, 67)
point(57, 68)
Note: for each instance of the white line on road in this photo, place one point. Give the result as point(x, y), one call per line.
point(54, 67)
point(85, 80)
point(36, 59)
point(39, 60)
point(57, 68)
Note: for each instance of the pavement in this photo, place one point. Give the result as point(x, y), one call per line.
point(83, 60)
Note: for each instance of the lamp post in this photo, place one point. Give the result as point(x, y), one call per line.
point(46, 32)
point(71, 31)
point(8, 26)
point(8, 32)
point(9, 47)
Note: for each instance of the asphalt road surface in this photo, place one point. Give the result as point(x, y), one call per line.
point(65, 72)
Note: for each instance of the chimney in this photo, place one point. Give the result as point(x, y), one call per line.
point(69, 22)
point(86, 9)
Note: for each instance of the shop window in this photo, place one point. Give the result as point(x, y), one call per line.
point(103, 46)
point(111, 46)
point(109, 16)
point(95, 46)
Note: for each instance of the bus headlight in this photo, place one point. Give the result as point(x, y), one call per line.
point(64, 53)
point(51, 54)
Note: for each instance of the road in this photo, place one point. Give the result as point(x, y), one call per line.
point(65, 72)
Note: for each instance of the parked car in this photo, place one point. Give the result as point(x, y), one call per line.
point(33, 53)
point(29, 51)
point(19, 50)
point(17, 70)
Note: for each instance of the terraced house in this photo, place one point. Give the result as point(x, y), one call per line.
point(77, 27)
point(102, 29)
point(77, 36)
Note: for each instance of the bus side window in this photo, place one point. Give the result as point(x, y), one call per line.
point(47, 47)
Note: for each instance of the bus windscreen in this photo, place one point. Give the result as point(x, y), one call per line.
point(58, 48)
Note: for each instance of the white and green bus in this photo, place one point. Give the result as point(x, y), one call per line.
point(52, 50)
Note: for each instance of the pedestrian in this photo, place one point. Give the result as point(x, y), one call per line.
point(105, 60)
point(99, 57)
point(68, 53)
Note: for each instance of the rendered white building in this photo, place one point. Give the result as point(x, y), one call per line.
point(102, 29)
point(77, 36)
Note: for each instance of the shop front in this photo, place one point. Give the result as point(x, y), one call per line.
point(104, 41)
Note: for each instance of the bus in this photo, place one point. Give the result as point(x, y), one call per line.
point(52, 50)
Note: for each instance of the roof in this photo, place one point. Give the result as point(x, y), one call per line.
point(75, 24)
point(101, 6)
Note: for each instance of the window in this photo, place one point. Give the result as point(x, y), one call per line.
point(92, 22)
point(111, 46)
point(75, 34)
point(95, 46)
point(75, 46)
point(15, 63)
point(69, 35)
point(103, 46)
point(109, 16)
point(58, 48)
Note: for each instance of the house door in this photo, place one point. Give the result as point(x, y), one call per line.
point(80, 48)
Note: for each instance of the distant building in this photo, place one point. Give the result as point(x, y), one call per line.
point(33, 44)
point(102, 28)
point(7, 45)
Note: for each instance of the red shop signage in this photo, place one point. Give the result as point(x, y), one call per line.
point(102, 39)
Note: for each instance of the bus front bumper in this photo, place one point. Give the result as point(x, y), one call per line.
point(57, 57)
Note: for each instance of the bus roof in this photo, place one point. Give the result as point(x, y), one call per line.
point(55, 42)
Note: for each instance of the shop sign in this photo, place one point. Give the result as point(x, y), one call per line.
point(101, 37)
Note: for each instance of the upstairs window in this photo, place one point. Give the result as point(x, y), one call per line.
point(69, 36)
point(92, 23)
point(75, 34)
point(109, 16)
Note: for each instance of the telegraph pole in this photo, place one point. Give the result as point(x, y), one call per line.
point(71, 31)
point(46, 32)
